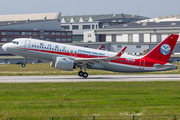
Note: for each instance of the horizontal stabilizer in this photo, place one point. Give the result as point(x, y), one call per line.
point(165, 66)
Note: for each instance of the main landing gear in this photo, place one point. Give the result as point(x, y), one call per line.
point(81, 73)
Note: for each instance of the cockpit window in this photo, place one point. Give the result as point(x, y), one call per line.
point(14, 42)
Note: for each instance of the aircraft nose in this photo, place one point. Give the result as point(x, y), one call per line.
point(4, 47)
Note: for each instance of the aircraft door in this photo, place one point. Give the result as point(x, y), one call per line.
point(142, 63)
point(27, 45)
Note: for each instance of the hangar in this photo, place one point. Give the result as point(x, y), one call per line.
point(45, 26)
point(82, 23)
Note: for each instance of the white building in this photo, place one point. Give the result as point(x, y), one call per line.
point(83, 23)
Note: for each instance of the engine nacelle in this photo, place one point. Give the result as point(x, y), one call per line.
point(63, 63)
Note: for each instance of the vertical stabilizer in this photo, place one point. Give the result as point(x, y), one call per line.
point(163, 50)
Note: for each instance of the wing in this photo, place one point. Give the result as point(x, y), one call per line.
point(91, 61)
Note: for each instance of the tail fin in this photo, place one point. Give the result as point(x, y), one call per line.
point(163, 50)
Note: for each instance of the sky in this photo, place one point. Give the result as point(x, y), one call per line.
point(147, 8)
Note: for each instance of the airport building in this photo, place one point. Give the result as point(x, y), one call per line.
point(80, 24)
point(53, 27)
point(45, 26)
point(57, 28)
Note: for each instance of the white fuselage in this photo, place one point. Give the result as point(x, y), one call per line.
point(49, 51)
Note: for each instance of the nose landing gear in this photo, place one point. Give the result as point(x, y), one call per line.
point(24, 64)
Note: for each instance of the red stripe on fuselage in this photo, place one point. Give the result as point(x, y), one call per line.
point(134, 62)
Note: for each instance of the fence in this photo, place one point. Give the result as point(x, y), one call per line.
point(142, 117)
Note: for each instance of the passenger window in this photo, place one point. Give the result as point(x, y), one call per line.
point(34, 45)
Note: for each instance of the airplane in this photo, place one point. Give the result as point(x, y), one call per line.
point(67, 57)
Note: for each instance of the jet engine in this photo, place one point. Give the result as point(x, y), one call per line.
point(63, 63)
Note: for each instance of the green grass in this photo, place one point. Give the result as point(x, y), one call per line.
point(85, 99)
point(45, 69)
point(89, 99)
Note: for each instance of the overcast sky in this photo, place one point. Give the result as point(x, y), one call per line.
point(147, 8)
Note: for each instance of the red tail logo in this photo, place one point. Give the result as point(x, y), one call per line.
point(163, 50)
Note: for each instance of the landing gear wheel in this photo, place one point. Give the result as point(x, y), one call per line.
point(85, 74)
point(80, 73)
point(23, 65)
